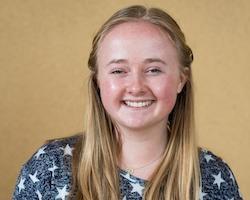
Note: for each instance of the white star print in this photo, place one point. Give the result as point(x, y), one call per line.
point(67, 150)
point(62, 193)
point(208, 158)
point(204, 150)
point(127, 176)
point(39, 195)
point(137, 188)
point(130, 186)
point(52, 169)
point(40, 152)
point(218, 180)
point(202, 194)
point(21, 185)
point(33, 177)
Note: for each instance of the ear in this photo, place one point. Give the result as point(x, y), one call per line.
point(183, 79)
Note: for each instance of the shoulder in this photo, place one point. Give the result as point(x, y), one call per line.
point(48, 173)
point(217, 179)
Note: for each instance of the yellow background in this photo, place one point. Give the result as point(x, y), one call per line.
point(44, 46)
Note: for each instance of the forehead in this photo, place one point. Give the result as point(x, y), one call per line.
point(136, 41)
point(136, 29)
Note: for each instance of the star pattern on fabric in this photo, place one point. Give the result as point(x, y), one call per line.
point(33, 177)
point(41, 170)
point(39, 195)
point(52, 169)
point(137, 188)
point(62, 193)
point(40, 152)
point(218, 179)
point(208, 157)
point(67, 150)
point(201, 194)
point(127, 176)
point(21, 184)
point(204, 150)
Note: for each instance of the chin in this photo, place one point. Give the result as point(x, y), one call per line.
point(137, 126)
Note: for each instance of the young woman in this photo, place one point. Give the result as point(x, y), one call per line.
point(139, 141)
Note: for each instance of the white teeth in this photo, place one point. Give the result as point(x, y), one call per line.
point(138, 104)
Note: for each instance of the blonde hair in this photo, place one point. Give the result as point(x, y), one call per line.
point(95, 162)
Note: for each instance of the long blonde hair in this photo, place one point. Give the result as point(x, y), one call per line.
point(95, 160)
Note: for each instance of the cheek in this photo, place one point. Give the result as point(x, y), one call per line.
point(167, 92)
point(109, 91)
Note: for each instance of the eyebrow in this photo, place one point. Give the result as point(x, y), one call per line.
point(117, 61)
point(150, 60)
point(146, 61)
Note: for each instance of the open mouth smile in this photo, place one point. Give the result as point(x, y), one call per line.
point(138, 104)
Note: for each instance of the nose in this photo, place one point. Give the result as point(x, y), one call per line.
point(136, 85)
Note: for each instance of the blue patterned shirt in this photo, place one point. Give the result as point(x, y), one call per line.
point(47, 175)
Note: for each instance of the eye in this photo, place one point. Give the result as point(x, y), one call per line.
point(117, 71)
point(154, 70)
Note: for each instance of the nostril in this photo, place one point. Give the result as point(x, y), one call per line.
point(136, 91)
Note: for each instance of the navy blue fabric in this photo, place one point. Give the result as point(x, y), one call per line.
point(47, 175)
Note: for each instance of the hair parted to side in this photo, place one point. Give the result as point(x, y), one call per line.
point(95, 164)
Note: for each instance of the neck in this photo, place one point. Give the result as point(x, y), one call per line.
point(142, 148)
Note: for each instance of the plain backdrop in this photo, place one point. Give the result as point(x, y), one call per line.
point(44, 46)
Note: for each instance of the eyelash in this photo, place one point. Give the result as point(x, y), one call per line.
point(117, 71)
point(154, 71)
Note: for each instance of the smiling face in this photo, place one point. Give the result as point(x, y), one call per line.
point(139, 75)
